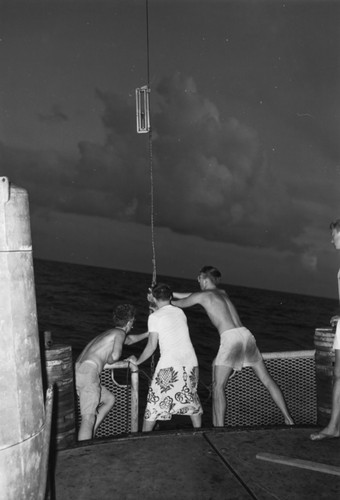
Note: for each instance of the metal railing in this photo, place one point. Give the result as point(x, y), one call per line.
point(249, 403)
point(123, 417)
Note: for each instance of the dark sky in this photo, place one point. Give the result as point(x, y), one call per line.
point(245, 119)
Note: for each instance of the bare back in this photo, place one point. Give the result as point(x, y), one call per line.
point(220, 309)
point(104, 349)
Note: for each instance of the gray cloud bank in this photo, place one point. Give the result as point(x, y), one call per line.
point(213, 176)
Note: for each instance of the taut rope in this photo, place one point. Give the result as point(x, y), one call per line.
point(152, 203)
point(152, 214)
point(152, 200)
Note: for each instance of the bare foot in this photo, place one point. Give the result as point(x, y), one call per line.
point(318, 436)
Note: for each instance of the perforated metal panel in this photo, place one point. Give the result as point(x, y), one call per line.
point(249, 403)
point(119, 420)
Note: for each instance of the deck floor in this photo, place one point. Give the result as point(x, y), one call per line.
point(208, 464)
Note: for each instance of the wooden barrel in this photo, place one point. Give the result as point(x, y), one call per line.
point(59, 373)
point(324, 369)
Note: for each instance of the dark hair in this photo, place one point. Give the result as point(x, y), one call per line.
point(123, 314)
point(335, 225)
point(161, 291)
point(212, 273)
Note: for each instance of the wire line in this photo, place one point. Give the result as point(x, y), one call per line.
point(152, 197)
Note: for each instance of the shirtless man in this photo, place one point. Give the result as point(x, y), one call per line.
point(332, 430)
point(237, 345)
point(101, 353)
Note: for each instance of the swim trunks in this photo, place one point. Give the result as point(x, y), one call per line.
point(336, 343)
point(88, 387)
point(237, 349)
point(173, 391)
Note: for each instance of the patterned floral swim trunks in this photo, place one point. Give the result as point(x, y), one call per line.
point(173, 391)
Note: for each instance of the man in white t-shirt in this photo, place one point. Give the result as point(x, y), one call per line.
point(173, 388)
point(332, 430)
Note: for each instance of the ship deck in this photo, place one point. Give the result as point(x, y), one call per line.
point(204, 464)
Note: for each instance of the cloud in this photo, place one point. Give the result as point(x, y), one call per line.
point(47, 175)
point(212, 176)
point(55, 116)
point(309, 261)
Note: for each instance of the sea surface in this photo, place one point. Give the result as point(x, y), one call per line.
point(75, 302)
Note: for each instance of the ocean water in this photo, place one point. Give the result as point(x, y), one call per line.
point(75, 303)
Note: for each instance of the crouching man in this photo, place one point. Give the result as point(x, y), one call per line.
point(101, 353)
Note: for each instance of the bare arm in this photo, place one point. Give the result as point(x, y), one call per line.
point(149, 348)
point(180, 295)
point(132, 339)
point(117, 364)
point(190, 300)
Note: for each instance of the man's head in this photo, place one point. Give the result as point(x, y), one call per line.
point(208, 273)
point(161, 292)
point(124, 315)
point(335, 230)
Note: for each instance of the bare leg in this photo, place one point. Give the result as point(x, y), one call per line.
point(221, 375)
point(86, 427)
point(148, 425)
point(332, 430)
point(107, 401)
point(273, 389)
point(196, 421)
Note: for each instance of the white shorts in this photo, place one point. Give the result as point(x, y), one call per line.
point(336, 344)
point(237, 349)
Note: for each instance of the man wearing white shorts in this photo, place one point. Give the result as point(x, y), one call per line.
point(237, 344)
point(237, 349)
point(333, 428)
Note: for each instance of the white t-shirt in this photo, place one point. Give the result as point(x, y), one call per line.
point(175, 345)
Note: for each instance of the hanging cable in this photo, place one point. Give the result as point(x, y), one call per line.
point(152, 216)
point(152, 198)
point(143, 119)
point(152, 202)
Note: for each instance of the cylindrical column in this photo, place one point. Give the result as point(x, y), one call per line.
point(324, 369)
point(22, 403)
